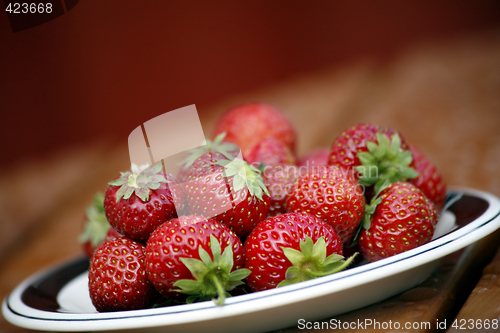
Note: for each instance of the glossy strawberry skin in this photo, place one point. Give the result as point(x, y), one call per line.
point(263, 253)
point(117, 277)
point(136, 218)
point(343, 152)
point(329, 194)
point(270, 152)
point(403, 220)
point(248, 124)
point(280, 181)
point(181, 238)
point(429, 180)
point(210, 194)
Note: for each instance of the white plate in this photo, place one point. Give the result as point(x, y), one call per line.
point(57, 299)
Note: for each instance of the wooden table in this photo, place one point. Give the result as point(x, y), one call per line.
point(445, 99)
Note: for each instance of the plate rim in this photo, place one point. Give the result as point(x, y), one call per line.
point(12, 307)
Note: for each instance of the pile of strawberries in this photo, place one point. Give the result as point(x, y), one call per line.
point(244, 214)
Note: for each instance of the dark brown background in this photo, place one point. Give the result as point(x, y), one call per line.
point(106, 66)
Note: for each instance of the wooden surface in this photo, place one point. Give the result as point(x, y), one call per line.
point(483, 304)
point(444, 97)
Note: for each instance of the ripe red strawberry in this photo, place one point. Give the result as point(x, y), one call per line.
point(195, 256)
point(290, 248)
point(117, 277)
point(270, 152)
point(429, 180)
point(141, 200)
point(329, 194)
point(377, 154)
point(280, 181)
point(400, 218)
point(248, 124)
point(229, 191)
point(343, 152)
point(217, 145)
point(315, 158)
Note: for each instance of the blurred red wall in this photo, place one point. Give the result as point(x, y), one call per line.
point(106, 66)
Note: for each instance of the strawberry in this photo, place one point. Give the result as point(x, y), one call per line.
point(117, 277)
point(377, 154)
point(248, 124)
point(315, 158)
point(227, 190)
point(429, 180)
point(195, 256)
point(141, 200)
point(290, 248)
point(217, 145)
point(344, 150)
point(280, 181)
point(399, 219)
point(270, 152)
point(329, 194)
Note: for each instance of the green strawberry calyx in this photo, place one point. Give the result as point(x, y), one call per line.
point(217, 145)
point(311, 262)
point(96, 225)
point(390, 162)
point(369, 211)
point(244, 176)
point(139, 180)
point(212, 277)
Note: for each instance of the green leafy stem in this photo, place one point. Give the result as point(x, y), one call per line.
point(212, 278)
point(311, 261)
